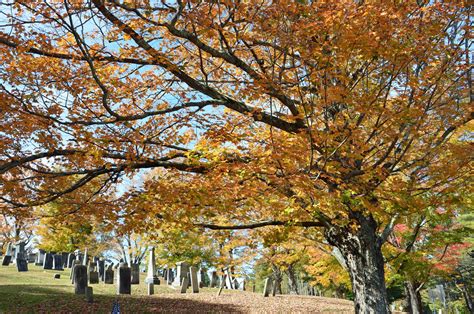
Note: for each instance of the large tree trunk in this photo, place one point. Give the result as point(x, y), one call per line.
point(292, 281)
point(363, 256)
point(413, 297)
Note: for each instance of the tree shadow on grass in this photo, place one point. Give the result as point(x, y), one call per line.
point(41, 299)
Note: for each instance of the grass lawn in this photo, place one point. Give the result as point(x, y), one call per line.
point(36, 291)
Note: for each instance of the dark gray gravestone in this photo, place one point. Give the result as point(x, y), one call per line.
point(57, 276)
point(80, 279)
point(124, 279)
point(184, 285)
point(109, 276)
point(101, 269)
point(6, 260)
point(194, 279)
point(48, 261)
point(64, 258)
point(20, 252)
point(21, 264)
point(93, 277)
point(89, 295)
point(135, 274)
point(70, 259)
point(57, 262)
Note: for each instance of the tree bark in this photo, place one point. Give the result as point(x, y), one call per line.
point(277, 279)
point(362, 252)
point(292, 281)
point(413, 297)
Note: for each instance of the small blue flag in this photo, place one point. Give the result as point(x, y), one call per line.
point(116, 308)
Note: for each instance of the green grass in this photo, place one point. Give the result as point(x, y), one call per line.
point(37, 291)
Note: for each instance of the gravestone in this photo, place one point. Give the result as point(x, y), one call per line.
point(48, 261)
point(214, 279)
point(194, 279)
point(57, 276)
point(21, 264)
point(109, 275)
point(6, 260)
point(89, 295)
point(9, 249)
point(135, 269)
point(182, 270)
point(228, 278)
point(202, 278)
point(267, 287)
point(151, 274)
point(101, 269)
point(80, 279)
point(170, 276)
point(85, 260)
point(71, 275)
point(124, 279)
point(184, 284)
point(64, 257)
point(58, 262)
point(70, 259)
point(31, 258)
point(93, 277)
point(40, 257)
point(151, 288)
point(20, 252)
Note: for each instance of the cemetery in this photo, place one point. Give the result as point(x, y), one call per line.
point(236, 156)
point(43, 289)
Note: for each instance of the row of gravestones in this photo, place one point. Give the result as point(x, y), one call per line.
point(16, 253)
point(185, 272)
point(83, 274)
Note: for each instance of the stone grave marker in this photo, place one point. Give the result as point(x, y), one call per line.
point(109, 275)
point(85, 260)
point(58, 262)
point(48, 261)
point(20, 252)
point(124, 279)
point(151, 272)
point(267, 287)
point(182, 270)
point(214, 279)
point(21, 264)
point(6, 260)
point(70, 259)
point(135, 269)
point(80, 279)
point(194, 279)
point(71, 275)
point(31, 258)
point(89, 295)
point(93, 277)
point(184, 284)
point(40, 257)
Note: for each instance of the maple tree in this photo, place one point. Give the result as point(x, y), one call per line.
point(305, 114)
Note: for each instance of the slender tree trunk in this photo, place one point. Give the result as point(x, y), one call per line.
point(292, 281)
point(363, 256)
point(278, 279)
point(413, 297)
